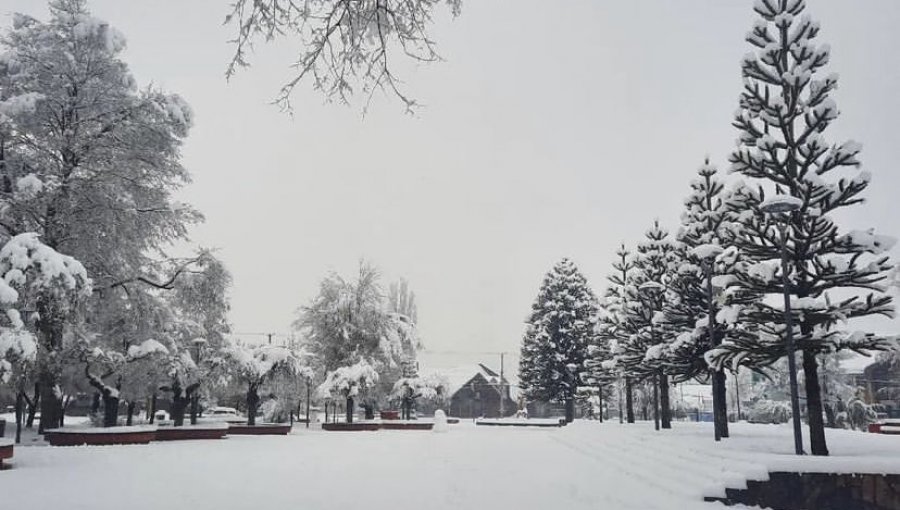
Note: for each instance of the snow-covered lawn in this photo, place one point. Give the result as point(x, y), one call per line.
point(585, 465)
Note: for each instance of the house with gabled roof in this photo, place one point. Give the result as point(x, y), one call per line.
point(476, 391)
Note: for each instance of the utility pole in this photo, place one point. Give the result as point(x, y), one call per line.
point(502, 394)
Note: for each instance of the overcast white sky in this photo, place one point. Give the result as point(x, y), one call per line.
point(549, 132)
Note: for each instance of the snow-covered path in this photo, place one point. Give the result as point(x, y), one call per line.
point(585, 465)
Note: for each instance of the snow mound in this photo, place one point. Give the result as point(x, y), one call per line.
point(440, 422)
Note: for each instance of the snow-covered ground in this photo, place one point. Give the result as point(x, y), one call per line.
point(585, 465)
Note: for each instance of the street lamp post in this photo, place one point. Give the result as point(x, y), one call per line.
point(780, 208)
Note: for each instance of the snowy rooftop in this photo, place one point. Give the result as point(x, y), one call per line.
point(856, 364)
point(459, 376)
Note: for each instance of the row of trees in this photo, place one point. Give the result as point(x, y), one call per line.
point(362, 343)
point(89, 163)
point(94, 301)
point(708, 299)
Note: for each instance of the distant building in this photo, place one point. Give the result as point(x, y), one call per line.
point(476, 391)
point(881, 386)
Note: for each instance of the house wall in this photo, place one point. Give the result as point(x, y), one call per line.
point(480, 399)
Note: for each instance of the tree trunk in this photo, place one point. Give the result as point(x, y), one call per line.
point(252, 404)
point(655, 383)
point(600, 393)
point(65, 409)
point(180, 402)
point(33, 405)
point(95, 403)
point(179, 408)
point(20, 408)
point(195, 408)
point(814, 404)
point(349, 409)
point(110, 410)
point(110, 398)
point(665, 409)
point(570, 409)
point(51, 403)
point(629, 401)
point(50, 327)
point(130, 413)
point(153, 408)
point(720, 397)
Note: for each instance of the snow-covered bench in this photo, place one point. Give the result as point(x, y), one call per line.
point(6, 450)
point(889, 426)
point(76, 436)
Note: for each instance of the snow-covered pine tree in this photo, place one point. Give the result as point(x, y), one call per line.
point(533, 358)
point(560, 329)
point(701, 309)
point(611, 329)
point(642, 355)
point(836, 274)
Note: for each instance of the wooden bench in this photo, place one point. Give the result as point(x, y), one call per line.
point(406, 425)
point(351, 427)
point(263, 429)
point(191, 432)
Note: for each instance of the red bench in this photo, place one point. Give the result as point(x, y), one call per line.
point(264, 429)
point(6, 452)
point(886, 426)
point(112, 435)
point(191, 432)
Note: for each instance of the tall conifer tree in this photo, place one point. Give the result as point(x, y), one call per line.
point(835, 275)
point(560, 329)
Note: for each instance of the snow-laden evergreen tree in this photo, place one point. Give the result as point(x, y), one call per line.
point(701, 306)
point(612, 325)
point(642, 355)
point(559, 330)
point(835, 274)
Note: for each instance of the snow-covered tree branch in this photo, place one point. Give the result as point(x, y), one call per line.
point(348, 47)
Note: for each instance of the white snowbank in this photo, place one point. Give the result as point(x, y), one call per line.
point(206, 425)
point(585, 465)
point(104, 430)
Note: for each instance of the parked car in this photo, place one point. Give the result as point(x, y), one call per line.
point(229, 414)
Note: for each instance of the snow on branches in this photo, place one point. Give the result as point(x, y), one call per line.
point(254, 364)
point(34, 279)
point(349, 381)
point(346, 44)
point(431, 387)
point(559, 331)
